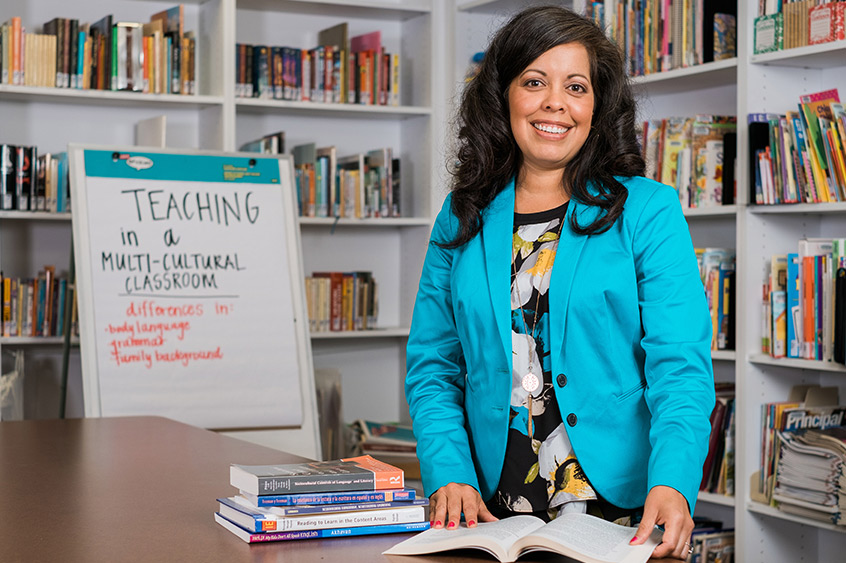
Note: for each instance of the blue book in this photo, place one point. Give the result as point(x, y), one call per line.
point(794, 344)
point(252, 537)
point(331, 498)
point(254, 519)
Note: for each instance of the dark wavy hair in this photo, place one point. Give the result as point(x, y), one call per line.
point(488, 156)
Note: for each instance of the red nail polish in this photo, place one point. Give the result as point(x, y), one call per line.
point(451, 525)
point(634, 539)
point(471, 523)
point(438, 523)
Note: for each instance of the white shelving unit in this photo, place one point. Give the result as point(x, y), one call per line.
point(373, 362)
point(436, 40)
point(748, 84)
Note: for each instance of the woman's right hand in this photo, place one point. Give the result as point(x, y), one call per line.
point(447, 503)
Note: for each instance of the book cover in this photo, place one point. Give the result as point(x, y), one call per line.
point(360, 473)
point(260, 537)
point(255, 519)
point(769, 33)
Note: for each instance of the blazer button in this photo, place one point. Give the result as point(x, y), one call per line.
point(571, 419)
point(561, 379)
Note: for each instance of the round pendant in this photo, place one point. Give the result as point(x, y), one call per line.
point(530, 382)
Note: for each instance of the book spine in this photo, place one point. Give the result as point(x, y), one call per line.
point(332, 498)
point(351, 507)
point(312, 484)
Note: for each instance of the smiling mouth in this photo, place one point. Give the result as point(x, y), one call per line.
point(546, 128)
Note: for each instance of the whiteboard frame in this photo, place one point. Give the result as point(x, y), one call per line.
point(305, 439)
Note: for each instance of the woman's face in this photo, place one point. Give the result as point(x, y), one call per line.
point(551, 105)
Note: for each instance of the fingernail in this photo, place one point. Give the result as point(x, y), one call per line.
point(634, 539)
point(438, 523)
point(451, 525)
point(471, 523)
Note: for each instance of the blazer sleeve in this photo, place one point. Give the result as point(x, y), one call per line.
point(436, 371)
point(677, 345)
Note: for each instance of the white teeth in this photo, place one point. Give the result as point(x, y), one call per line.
point(549, 128)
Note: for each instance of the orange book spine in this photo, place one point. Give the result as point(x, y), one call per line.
point(808, 311)
point(386, 476)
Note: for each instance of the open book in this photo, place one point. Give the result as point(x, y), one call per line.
point(580, 536)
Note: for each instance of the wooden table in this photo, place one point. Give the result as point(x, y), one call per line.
point(144, 489)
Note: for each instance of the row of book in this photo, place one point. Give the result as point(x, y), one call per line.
point(803, 454)
point(696, 155)
point(323, 499)
point(364, 185)
point(788, 24)
point(340, 70)
point(661, 35)
point(718, 469)
point(799, 156)
point(33, 182)
point(36, 306)
point(392, 443)
point(342, 301)
point(154, 57)
point(717, 270)
point(804, 302)
point(710, 542)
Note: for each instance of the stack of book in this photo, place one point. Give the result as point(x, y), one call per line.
point(695, 155)
point(155, 57)
point(718, 469)
point(799, 156)
point(717, 271)
point(803, 454)
point(324, 499)
point(804, 302)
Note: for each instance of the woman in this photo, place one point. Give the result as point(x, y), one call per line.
point(584, 387)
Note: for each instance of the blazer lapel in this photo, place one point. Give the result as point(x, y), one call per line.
point(567, 255)
point(497, 236)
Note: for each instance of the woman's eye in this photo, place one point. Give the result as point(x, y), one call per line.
point(533, 83)
point(578, 88)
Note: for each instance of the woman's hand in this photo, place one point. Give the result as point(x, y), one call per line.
point(667, 507)
point(447, 503)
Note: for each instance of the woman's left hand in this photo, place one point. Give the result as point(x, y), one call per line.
point(667, 507)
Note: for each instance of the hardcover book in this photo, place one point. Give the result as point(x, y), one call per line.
point(259, 537)
point(581, 537)
point(343, 497)
point(769, 33)
point(362, 473)
point(255, 519)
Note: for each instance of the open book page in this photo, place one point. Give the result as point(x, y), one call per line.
point(494, 537)
point(590, 539)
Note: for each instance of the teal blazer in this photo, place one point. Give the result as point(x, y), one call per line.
point(630, 339)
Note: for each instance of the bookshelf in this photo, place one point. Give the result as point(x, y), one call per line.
point(750, 83)
point(372, 362)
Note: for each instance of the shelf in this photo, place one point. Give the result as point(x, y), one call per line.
point(797, 208)
point(713, 498)
point(707, 75)
point(390, 222)
point(713, 211)
point(776, 513)
point(36, 341)
point(724, 355)
point(342, 8)
point(818, 365)
point(348, 334)
point(105, 97)
point(824, 55)
point(34, 216)
point(318, 108)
